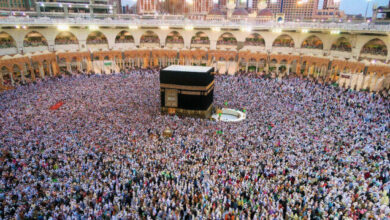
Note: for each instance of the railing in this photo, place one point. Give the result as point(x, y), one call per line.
point(78, 19)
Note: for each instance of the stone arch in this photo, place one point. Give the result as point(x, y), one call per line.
point(124, 37)
point(6, 40)
point(293, 66)
point(66, 38)
point(312, 42)
point(96, 37)
point(342, 44)
point(200, 38)
point(62, 65)
point(227, 38)
point(35, 67)
point(374, 47)
point(255, 39)
point(174, 38)
point(150, 37)
point(283, 40)
point(73, 65)
point(34, 39)
point(5, 76)
point(304, 65)
point(17, 73)
point(283, 66)
point(46, 67)
point(28, 72)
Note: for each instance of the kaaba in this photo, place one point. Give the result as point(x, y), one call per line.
point(187, 90)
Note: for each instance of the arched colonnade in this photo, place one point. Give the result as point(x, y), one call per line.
point(25, 69)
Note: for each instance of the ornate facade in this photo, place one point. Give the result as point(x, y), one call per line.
point(353, 60)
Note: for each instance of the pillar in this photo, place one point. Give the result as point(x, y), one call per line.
point(11, 73)
point(68, 67)
point(80, 64)
point(288, 68)
point(213, 44)
point(1, 78)
point(49, 66)
point(246, 67)
point(91, 11)
point(306, 71)
point(22, 74)
point(227, 66)
point(38, 9)
point(298, 69)
point(41, 71)
point(89, 65)
point(32, 74)
point(66, 11)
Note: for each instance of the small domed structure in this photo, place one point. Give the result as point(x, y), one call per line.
point(216, 11)
point(167, 132)
point(240, 12)
point(215, 14)
point(265, 13)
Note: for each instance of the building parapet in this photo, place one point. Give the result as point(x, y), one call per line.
point(181, 22)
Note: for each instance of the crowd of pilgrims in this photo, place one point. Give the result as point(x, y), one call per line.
point(305, 151)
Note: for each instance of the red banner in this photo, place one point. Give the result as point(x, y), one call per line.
point(57, 105)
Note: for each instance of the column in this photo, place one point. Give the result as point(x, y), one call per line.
point(288, 69)
point(257, 67)
point(334, 73)
point(1, 78)
point(12, 77)
point(68, 67)
point(41, 71)
point(80, 64)
point(89, 65)
point(246, 67)
point(38, 9)
point(213, 44)
point(32, 74)
point(91, 11)
point(227, 66)
point(298, 69)
point(23, 73)
point(306, 71)
point(50, 70)
point(22, 76)
point(66, 12)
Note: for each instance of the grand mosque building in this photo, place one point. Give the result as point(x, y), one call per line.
point(354, 55)
point(193, 109)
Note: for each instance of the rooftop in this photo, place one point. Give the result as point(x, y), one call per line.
point(135, 21)
point(196, 69)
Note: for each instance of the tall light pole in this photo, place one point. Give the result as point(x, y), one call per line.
point(368, 3)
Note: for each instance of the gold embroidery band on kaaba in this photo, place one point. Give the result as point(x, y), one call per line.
point(191, 92)
point(183, 87)
point(181, 111)
point(205, 93)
